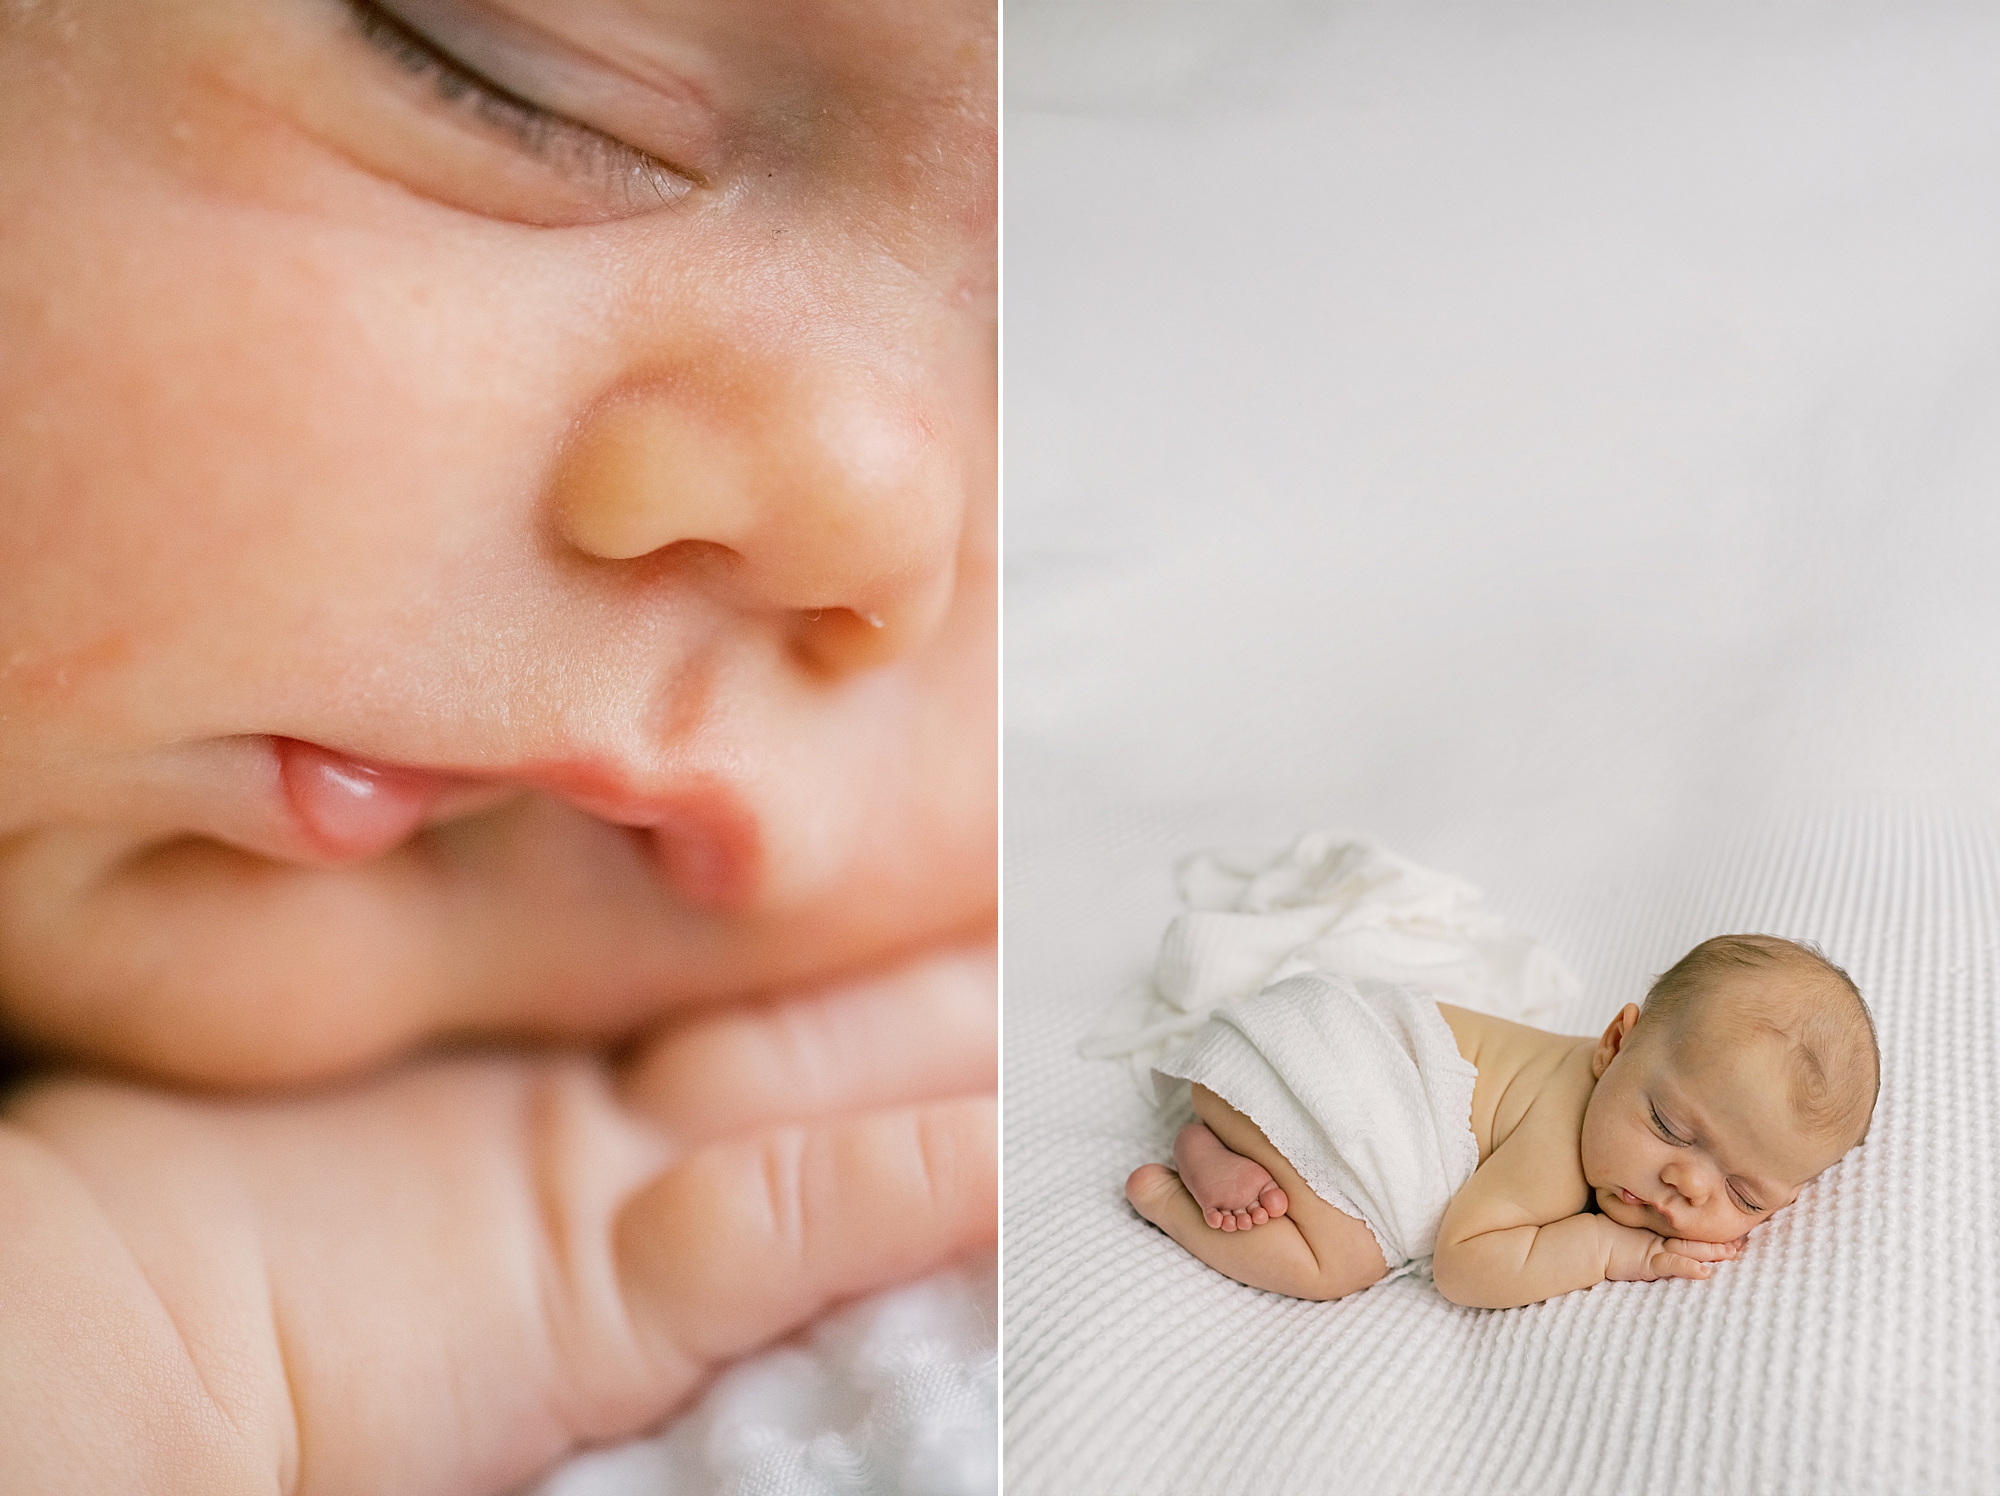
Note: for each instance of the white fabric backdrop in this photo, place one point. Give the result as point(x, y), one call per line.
point(1565, 441)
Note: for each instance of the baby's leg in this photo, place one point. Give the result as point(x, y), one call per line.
point(1234, 1192)
point(1312, 1252)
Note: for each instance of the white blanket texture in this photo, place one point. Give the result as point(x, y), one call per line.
point(891, 1396)
point(1561, 438)
point(1360, 1086)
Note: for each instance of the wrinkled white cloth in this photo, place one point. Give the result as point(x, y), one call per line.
point(1360, 1086)
point(892, 1396)
point(1334, 902)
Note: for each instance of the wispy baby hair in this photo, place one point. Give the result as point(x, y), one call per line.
point(1812, 1006)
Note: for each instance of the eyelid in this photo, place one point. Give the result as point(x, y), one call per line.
point(567, 144)
point(1665, 1131)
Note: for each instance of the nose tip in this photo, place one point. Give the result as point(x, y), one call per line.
point(1690, 1185)
point(835, 497)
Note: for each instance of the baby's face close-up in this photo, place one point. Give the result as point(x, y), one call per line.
point(1695, 1138)
point(500, 513)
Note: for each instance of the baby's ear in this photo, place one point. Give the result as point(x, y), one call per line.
point(1614, 1039)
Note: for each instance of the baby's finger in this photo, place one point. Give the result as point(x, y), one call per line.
point(1676, 1265)
point(745, 1240)
point(926, 1030)
point(1706, 1251)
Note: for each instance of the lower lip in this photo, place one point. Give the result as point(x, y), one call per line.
point(705, 862)
point(1631, 1199)
point(704, 842)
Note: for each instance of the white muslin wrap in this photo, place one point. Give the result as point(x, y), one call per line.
point(1360, 1085)
point(1333, 902)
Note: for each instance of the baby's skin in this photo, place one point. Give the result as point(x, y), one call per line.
point(1640, 1155)
point(499, 515)
point(443, 1279)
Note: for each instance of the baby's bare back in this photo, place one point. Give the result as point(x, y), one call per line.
point(1523, 1072)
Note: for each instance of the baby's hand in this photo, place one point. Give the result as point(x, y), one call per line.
point(449, 1278)
point(1638, 1256)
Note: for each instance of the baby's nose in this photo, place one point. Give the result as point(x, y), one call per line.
point(829, 489)
point(1688, 1180)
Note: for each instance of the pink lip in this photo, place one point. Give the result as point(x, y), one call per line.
point(1631, 1199)
point(350, 808)
point(705, 840)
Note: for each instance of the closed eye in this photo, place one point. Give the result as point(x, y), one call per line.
point(569, 145)
point(1665, 1131)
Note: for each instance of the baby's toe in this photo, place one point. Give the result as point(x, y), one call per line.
point(1258, 1215)
point(1274, 1201)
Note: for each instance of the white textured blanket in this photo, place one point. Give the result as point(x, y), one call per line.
point(1561, 438)
point(1850, 1350)
point(892, 1396)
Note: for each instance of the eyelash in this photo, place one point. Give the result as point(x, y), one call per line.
point(568, 144)
point(1664, 1130)
point(1668, 1133)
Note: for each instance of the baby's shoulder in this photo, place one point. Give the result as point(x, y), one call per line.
point(1526, 1076)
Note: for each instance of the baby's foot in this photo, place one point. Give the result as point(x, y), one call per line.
point(1234, 1192)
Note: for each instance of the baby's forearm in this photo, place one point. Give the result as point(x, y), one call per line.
point(1526, 1264)
point(99, 1388)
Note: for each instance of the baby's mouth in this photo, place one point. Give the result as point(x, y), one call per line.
point(1631, 1199)
point(703, 840)
point(352, 809)
point(703, 837)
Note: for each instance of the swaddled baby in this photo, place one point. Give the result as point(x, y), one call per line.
point(1389, 1127)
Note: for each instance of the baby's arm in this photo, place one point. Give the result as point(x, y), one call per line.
point(1516, 1234)
point(446, 1279)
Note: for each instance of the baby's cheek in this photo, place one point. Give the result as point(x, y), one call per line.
point(46, 682)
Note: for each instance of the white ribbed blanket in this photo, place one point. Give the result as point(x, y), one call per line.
point(1854, 1348)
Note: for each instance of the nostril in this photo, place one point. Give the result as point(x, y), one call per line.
point(646, 476)
point(834, 641)
point(824, 496)
point(874, 629)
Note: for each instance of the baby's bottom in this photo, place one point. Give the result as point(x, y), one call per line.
point(1311, 1252)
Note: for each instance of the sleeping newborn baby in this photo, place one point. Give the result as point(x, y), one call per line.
point(1390, 1127)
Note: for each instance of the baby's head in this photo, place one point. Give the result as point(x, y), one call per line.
point(1752, 1067)
point(496, 512)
